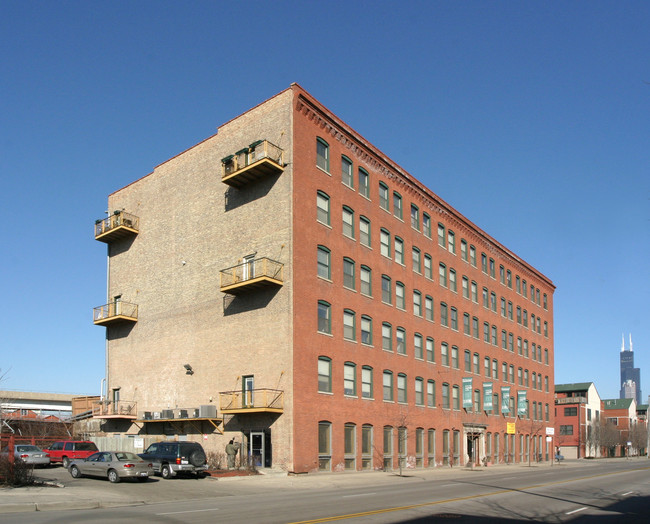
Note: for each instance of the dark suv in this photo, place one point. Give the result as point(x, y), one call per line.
point(175, 458)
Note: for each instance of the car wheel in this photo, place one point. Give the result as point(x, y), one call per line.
point(74, 471)
point(66, 462)
point(142, 479)
point(197, 458)
point(113, 476)
point(166, 471)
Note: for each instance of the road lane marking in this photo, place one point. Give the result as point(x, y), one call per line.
point(358, 495)
point(188, 511)
point(575, 511)
point(458, 499)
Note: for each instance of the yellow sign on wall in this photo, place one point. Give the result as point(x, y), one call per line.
point(510, 428)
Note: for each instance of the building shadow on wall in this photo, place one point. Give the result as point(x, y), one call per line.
point(119, 246)
point(255, 299)
point(249, 193)
point(119, 331)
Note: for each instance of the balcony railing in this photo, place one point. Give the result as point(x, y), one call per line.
point(252, 401)
point(251, 274)
point(258, 160)
point(118, 225)
point(571, 400)
point(115, 312)
point(118, 409)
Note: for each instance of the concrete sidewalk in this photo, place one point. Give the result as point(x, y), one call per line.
point(55, 490)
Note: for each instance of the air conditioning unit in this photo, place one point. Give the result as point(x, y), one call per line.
point(195, 413)
point(208, 411)
point(182, 413)
point(156, 415)
point(146, 415)
point(167, 413)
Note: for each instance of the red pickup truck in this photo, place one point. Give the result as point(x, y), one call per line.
point(66, 450)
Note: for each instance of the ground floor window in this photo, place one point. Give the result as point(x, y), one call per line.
point(388, 448)
point(456, 447)
point(366, 447)
point(496, 448)
point(419, 448)
point(431, 447)
point(350, 447)
point(324, 446)
point(488, 447)
point(445, 447)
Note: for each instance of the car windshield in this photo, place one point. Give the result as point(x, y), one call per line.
point(86, 446)
point(24, 448)
point(125, 456)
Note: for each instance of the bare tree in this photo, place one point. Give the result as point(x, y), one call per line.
point(638, 436)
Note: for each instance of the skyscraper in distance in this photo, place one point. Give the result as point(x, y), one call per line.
point(629, 372)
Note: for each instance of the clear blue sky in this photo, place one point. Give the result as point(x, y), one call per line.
point(531, 118)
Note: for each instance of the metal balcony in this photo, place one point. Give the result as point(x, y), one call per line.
point(251, 275)
point(252, 401)
point(114, 313)
point(116, 226)
point(256, 161)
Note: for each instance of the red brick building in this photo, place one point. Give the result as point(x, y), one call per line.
point(391, 327)
point(578, 410)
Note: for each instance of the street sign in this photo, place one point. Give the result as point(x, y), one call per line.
point(550, 431)
point(510, 428)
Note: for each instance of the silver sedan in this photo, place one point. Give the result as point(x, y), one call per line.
point(32, 455)
point(114, 465)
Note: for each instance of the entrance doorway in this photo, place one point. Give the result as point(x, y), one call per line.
point(259, 449)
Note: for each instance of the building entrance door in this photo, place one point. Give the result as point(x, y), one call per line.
point(256, 451)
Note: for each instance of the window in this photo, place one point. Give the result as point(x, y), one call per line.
point(397, 205)
point(430, 349)
point(388, 386)
point(324, 446)
point(443, 315)
point(502, 274)
point(350, 446)
point(495, 370)
point(366, 330)
point(474, 292)
point(386, 292)
point(384, 242)
point(571, 412)
point(428, 267)
point(484, 263)
point(477, 401)
point(323, 262)
point(348, 222)
point(426, 225)
point(419, 447)
point(417, 267)
point(454, 318)
point(350, 379)
point(323, 208)
point(503, 308)
point(383, 196)
point(463, 249)
point(366, 382)
point(323, 154)
point(486, 366)
point(452, 280)
point(349, 325)
point(444, 354)
point(509, 278)
point(399, 296)
point(566, 430)
point(431, 393)
point(417, 303)
point(400, 339)
point(454, 357)
point(475, 327)
point(364, 231)
point(324, 375)
point(418, 349)
point(492, 269)
point(486, 298)
point(486, 332)
point(428, 308)
point(451, 242)
point(442, 274)
point(388, 447)
point(455, 397)
point(466, 324)
point(366, 447)
point(465, 287)
point(324, 317)
point(442, 239)
point(415, 217)
point(365, 280)
point(346, 172)
point(445, 396)
point(493, 301)
point(475, 363)
point(399, 250)
point(401, 388)
point(472, 256)
point(364, 183)
point(348, 273)
point(387, 337)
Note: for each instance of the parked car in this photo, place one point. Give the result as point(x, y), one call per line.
point(113, 465)
point(176, 458)
point(65, 450)
point(32, 455)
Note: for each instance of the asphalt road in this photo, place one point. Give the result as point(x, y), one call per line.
point(586, 491)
